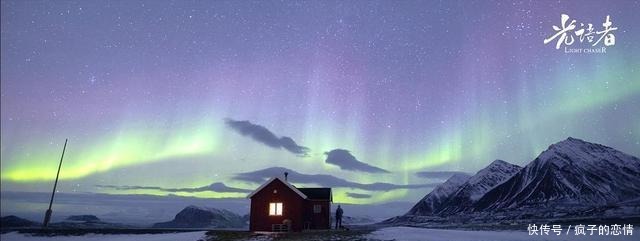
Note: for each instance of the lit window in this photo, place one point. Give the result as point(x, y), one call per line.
point(317, 208)
point(275, 209)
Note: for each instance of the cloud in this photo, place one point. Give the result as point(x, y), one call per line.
point(265, 136)
point(438, 174)
point(261, 176)
point(343, 159)
point(358, 195)
point(215, 187)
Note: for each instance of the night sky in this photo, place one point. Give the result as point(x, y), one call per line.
point(167, 97)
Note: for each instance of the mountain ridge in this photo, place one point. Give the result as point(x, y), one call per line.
point(571, 172)
point(479, 184)
point(432, 202)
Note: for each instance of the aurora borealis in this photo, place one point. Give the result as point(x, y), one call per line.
point(142, 90)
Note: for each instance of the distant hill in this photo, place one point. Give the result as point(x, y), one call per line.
point(350, 220)
point(73, 221)
point(204, 217)
point(12, 221)
point(86, 221)
point(83, 218)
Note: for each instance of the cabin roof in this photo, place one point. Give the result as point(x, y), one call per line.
point(317, 193)
point(294, 189)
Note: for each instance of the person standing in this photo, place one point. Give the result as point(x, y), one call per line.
point(339, 217)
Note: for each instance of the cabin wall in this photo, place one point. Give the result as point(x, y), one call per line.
point(293, 206)
point(320, 220)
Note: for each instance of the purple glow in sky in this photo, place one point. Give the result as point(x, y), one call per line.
point(147, 91)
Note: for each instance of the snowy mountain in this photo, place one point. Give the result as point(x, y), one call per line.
point(433, 201)
point(477, 185)
point(204, 217)
point(569, 172)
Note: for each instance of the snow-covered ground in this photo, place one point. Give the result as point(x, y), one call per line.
point(422, 234)
point(187, 236)
point(385, 234)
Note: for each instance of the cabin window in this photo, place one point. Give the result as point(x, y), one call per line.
point(275, 209)
point(317, 208)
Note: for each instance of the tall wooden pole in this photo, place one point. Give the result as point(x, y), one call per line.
point(47, 215)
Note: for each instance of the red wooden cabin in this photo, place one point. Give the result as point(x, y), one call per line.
point(278, 206)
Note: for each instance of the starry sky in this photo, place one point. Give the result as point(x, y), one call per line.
point(206, 98)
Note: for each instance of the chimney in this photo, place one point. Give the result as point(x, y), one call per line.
point(285, 176)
